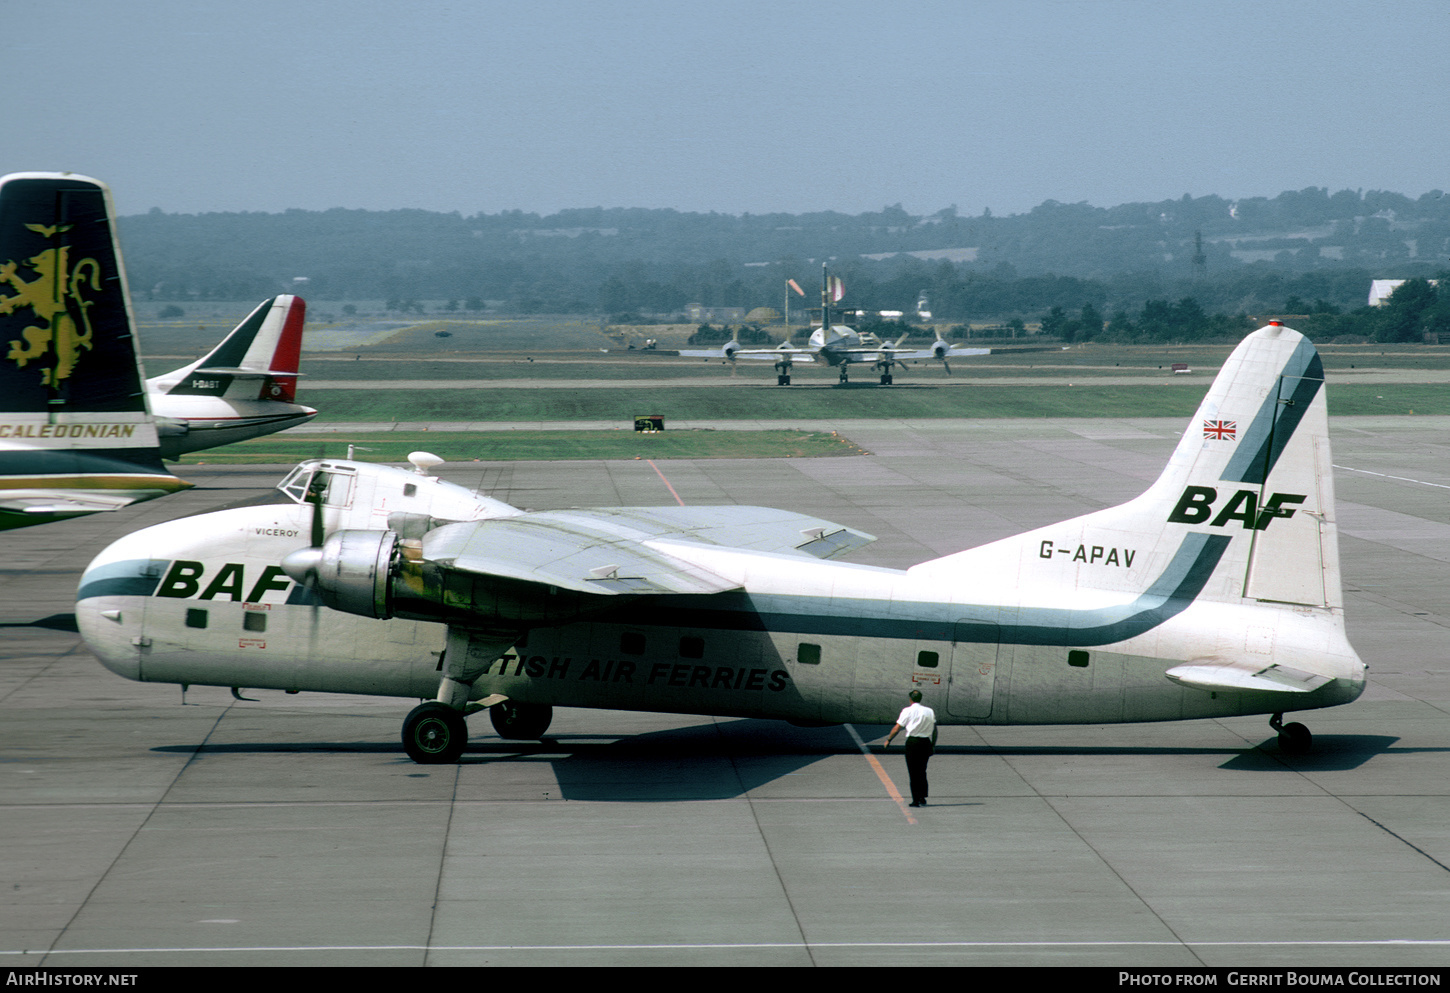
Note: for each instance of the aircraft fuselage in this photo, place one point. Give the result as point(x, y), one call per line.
point(807, 640)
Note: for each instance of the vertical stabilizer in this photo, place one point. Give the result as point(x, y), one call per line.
point(1244, 511)
point(257, 361)
point(65, 320)
point(75, 432)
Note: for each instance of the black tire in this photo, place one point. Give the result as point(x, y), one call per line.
point(435, 734)
point(1295, 739)
point(521, 720)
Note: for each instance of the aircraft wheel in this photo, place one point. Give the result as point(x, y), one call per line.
point(886, 379)
point(521, 720)
point(434, 734)
point(1295, 739)
point(787, 381)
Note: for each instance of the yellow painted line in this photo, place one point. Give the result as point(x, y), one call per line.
point(880, 771)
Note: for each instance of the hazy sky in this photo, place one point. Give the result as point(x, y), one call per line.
point(748, 106)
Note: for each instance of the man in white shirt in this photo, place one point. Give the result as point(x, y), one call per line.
point(920, 724)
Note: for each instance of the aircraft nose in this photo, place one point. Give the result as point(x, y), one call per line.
point(110, 630)
point(110, 605)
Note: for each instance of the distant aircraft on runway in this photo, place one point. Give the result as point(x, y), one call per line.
point(243, 388)
point(1215, 593)
point(838, 345)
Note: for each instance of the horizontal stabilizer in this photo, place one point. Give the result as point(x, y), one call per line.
point(1226, 675)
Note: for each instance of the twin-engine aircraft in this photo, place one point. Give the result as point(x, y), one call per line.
point(1215, 593)
point(76, 433)
point(837, 345)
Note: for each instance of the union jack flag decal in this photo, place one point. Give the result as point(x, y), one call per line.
point(1220, 430)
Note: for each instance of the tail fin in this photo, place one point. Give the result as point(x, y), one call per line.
point(1255, 466)
point(75, 432)
point(257, 361)
point(1244, 510)
point(66, 323)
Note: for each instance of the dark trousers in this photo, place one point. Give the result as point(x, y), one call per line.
point(918, 751)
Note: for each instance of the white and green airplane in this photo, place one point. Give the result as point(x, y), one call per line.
point(1215, 593)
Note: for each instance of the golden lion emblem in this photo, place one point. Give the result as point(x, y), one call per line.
point(55, 295)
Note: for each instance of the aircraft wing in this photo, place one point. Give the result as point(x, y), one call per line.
point(934, 353)
point(734, 351)
point(627, 550)
point(1226, 674)
point(67, 503)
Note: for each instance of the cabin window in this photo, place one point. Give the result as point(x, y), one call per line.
point(692, 647)
point(807, 654)
point(254, 620)
point(195, 618)
point(1077, 660)
point(409, 489)
point(631, 643)
point(927, 660)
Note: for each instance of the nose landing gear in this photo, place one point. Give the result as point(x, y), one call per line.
point(1294, 739)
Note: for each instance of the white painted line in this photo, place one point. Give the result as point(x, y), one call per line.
point(1403, 479)
point(692, 946)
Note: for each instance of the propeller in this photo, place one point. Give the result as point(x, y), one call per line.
point(302, 564)
point(941, 349)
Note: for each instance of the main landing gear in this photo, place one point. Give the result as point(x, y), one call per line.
point(436, 734)
point(1294, 739)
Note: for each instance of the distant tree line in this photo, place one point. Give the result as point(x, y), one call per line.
point(1248, 256)
point(1416, 308)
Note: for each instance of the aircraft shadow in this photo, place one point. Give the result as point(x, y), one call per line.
point(55, 622)
point(726, 761)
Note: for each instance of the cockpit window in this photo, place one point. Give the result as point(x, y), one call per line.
point(335, 487)
point(295, 485)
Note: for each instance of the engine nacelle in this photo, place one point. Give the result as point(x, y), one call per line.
point(351, 572)
point(730, 348)
point(940, 349)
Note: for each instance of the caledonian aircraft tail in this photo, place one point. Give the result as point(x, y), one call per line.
point(76, 436)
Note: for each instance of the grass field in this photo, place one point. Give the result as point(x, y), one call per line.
point(1171, 399)
point(503, 446)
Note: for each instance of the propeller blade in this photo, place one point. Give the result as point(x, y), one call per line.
point(314, 497)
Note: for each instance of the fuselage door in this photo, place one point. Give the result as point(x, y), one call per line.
point(975, 647)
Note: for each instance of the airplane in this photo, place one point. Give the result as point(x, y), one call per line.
point(837, 345)
point(243, 388)
point(1215, 593)
point(75, 433)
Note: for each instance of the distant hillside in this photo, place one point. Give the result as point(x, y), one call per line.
point(1228, 254)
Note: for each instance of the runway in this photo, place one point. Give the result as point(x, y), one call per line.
point(141, 830)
